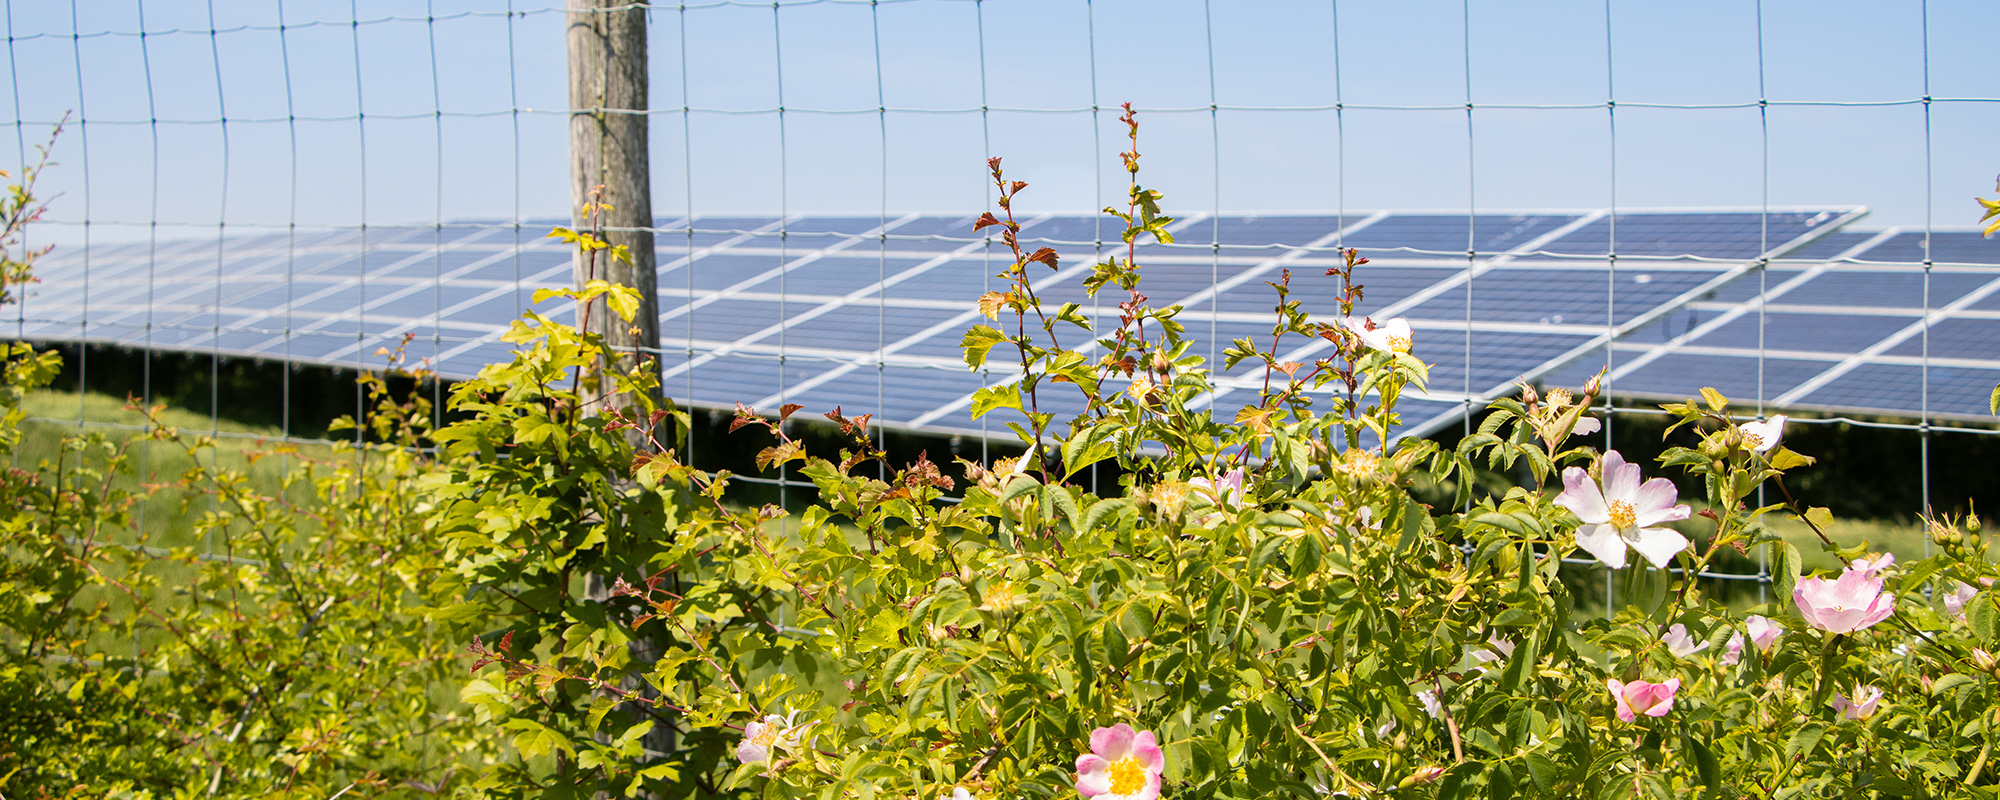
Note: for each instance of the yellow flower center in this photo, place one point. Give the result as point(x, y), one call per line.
point(1400, 344)
point(1001, 596)
point(1559, 398)
point(1127, 776)
point(1623, 516)
point(766, 736)
point(1358, 462)
point(1752, 441)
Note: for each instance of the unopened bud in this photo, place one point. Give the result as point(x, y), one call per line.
point(1528, 396)
point(1972, 524)
point(1161, 363)
point(1943, 535)
point(1982, 659)
point(1595, 387)
point(1421, 777)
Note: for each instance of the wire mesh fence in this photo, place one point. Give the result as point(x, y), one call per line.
point(1568, 190)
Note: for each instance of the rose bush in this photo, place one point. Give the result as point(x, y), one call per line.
point(1260, 607)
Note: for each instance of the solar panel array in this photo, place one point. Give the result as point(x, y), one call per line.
point(866, 312)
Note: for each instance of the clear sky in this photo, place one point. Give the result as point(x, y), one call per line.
point(1275, 67)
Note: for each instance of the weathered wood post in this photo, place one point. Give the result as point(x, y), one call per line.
point(608, 145)
point(608, 148)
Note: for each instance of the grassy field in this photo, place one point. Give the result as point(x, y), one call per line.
point(166, 514)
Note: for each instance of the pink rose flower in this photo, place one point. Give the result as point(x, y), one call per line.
point(1393, 336)
point(1640, 697)
point(1622, 513)
point(1960, 594)
point(1859, 705)
point(1763, 633)
point(762, 738)
point(1873, 566)
point(1846, 605)
point(1680, 643)
point(1228, 491)
point(1122, 764)
point(1760, 437)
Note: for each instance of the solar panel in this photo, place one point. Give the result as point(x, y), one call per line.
point(1850, 333)
point(866, 312)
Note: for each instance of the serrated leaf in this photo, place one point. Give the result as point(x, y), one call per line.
point(1803, 742)
point(996, 397)
point(1785, 459)
point(977, 341)
point(1981, 614)
point(1949, 682)
point(1716, 402)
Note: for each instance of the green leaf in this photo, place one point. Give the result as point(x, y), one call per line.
point(1949, 682)
point(978, 340)
point(1804, 741)
point(624, 301)
point(1705, 763)
point(1993, 403)
point(1980, 612)
point(1785, 567)
point(1785, 459)
point(884, 630)
point(1716, 402)
point(996, 397)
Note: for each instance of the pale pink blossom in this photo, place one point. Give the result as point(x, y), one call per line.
point(1848, 604)
point(1122, 764)
point(1640, 697)
point(1763, 633)
point(1585, 426)
point(1228, 491)
point(1431, 705)
point(1393, 336)
point(1955, 600)
point(1680, 643)
point(959, 793)
point(1761, 437)
point(1859, 704)
point(762, 738)
point(1623, 513)
point(1501, 650)
point(1874, 566)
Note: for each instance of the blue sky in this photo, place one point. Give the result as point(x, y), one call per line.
point(732, 155)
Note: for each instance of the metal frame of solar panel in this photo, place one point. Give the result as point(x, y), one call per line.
point(865, 312)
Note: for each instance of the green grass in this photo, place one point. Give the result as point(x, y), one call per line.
point(165, 516)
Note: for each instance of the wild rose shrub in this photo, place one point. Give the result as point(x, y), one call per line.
point(1261, 608)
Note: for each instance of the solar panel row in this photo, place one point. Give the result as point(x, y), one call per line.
point(866, 312)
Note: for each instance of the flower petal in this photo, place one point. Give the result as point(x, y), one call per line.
point(1146, 748)
point(1093, 775)
point(1112, 743)
point(1581, 496)
point(1618, 696)
point(1655, 504)
point(1658, 545)
point(1621, 480)
point(1603, 542)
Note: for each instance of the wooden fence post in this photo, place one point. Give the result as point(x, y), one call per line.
point(608, 145)
point(608, 148)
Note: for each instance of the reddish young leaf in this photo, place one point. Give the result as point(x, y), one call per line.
point(1045, 255)
point(986, 220)
point(785, 411)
